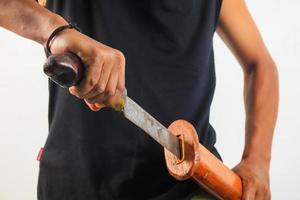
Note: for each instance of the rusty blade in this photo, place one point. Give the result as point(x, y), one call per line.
point(151, 126)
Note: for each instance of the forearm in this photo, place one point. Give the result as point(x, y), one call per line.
point(28, 19)
point(261, 105)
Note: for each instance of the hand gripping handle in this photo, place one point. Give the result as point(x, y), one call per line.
point(67, 70)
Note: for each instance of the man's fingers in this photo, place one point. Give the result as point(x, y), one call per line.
point(94, 92)
point(263, 193)
point(267, 195)
point(95, 96)
point(94, 107)
point(259, 196)
point(121, 80)
point(112, 83)
point(100, 98)
point(91, 77)
point(104, 77)
point(249, 191)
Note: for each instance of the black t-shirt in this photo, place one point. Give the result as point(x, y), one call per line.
point(169, 72)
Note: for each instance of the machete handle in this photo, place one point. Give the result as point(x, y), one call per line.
point(67, 70)
point(64, 69)
point(201, 165)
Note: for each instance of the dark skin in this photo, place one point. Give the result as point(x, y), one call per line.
point(239, 32)
point(105, 76)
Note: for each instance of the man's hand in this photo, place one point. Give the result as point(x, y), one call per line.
point(255, 179)
point(104, 76)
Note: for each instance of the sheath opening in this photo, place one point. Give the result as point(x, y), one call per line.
point(182, 149)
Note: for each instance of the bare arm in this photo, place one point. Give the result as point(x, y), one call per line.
point(28, 19)
point(239, 32)
point(105, 66)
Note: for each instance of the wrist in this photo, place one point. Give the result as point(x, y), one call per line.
point(258, 159)
point(53, 22)
point(57, 31)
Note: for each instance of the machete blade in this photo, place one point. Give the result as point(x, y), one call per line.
point(137, 115)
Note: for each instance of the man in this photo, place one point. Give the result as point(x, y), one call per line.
point(169, 72)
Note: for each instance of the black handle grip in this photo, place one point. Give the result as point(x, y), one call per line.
point(64, 69)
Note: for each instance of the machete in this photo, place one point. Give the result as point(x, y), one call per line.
point(151, 126)
point(185, 156)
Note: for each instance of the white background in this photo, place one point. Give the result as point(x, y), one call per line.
point(24, 97)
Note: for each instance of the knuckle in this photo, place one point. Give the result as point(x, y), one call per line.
point(251, 182)
point(110, 92)
point(92, 81)
point(96, 56)
point(107, 57)
point(92, 56)
point(255, 182)
point(99, 88)
point(121, 84)
point(121, 87)
point(119, 57)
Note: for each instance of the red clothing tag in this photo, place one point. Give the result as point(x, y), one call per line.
point(38, 158)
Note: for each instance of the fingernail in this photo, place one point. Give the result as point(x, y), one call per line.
point(95, 109)
point(97, 105)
